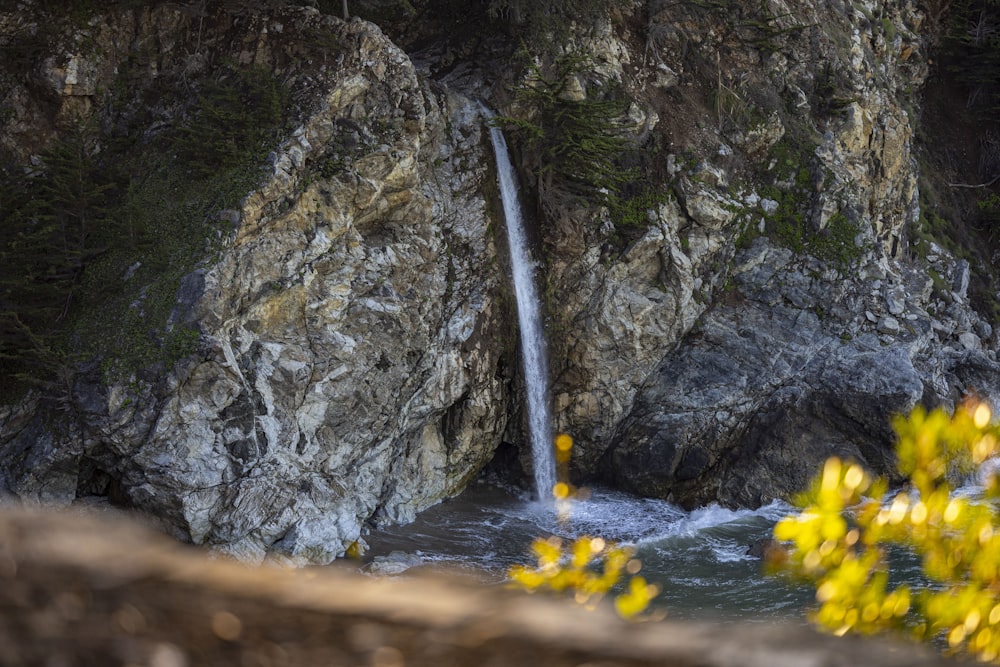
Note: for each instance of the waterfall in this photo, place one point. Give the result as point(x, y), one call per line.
point(529, 316)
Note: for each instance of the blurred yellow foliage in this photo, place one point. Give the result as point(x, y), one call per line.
point(588, 567)
point(840, 539)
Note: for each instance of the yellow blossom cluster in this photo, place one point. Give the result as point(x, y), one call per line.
point(841, 538)
point(588, 567)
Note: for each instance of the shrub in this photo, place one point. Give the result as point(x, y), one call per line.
point(93, 246)
point(232, 121)
point(972, 52)
point(573, 143)
point(789, 225)
point(579, 148)
point(541, 20)
point(52, 225)
point(588, 567)
point(842, 538)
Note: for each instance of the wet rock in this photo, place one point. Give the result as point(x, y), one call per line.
point(395, 563)
point(970, 341)
point(710, 209)
point(762, 547)
point(895, 299)
point(665, 77)
point(960, 279)
point(983, 329)
point(759, 139)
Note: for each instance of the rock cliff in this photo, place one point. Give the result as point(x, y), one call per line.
point(773, 304)
point(779, 307)
point(349, 365)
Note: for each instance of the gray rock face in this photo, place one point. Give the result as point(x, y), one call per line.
point(697, 369)
point(347, 370)
point(763, 390)
point(621, 317)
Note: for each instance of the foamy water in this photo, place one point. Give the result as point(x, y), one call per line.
point(698, 558)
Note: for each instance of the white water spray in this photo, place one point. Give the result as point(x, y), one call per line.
point(533, 348)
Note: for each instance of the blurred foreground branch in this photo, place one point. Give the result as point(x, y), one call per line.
point(81, 589)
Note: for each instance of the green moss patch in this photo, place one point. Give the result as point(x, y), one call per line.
point(792, 187)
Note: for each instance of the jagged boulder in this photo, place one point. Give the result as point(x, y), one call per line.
point(772, 382)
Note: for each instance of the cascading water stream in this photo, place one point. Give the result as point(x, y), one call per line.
point(533, 347)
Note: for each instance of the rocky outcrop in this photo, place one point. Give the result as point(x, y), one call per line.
point(348, 366)
point(775, 379)
point(696, 368)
